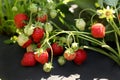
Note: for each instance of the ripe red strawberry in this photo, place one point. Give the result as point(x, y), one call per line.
point(98, 30)
point(80, 56)
point(20, 19)
point(23, 40)
point(38, 34)
point(42, 18)
point(69, 54)
point(28, 59)
point(57, 49)
point(42, 57)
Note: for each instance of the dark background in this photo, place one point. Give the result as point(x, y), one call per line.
point(96, 66)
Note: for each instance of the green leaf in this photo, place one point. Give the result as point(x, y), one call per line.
point(85, 3)
point(8, 41)
point(1, 11)
point(111, 2)
point(61, 20)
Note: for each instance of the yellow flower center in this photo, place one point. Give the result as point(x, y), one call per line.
point(106, 13)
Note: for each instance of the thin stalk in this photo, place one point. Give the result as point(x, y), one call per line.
point(46, 39)
point(108, 32)
point(111, 49)
point(92, 39)
point(55, 25)
point(51, 52)
point(117, 43)
point(58, 34)
point(30, 21)
point(117, 14)
point(68, 44)
point(68, 26)
point(98, 43)
point(88, 40)
point(92, 18)
point(115, 27)
point(113, 57)
point(79, 32)
point(87, 9)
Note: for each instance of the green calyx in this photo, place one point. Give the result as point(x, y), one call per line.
point(47, 67)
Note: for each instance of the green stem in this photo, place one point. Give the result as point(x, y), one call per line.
point(102, 44)
point(92, 18)
point(108, 32)
point(113, 57)
point(117, 14)
point(87, 9)
point(58, 34)
point(92, 39)
point(89, 40)
point(115, 27)
point(51, 52)
point(117, 43)
point(46, 39)
point(55, 25)
point(30, 21)
point(69, 27)
point(68, 32)
point(68, 44)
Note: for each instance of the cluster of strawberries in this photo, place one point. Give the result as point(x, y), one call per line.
point(42, 43)
point(31, 37)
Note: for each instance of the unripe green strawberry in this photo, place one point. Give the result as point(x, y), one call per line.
point(69, 39)
point(14, 8)
point(47, 67)
point(61, 60)
point(74, 46)
point(33, 8)
point(28, 30)
point(51, 4)
point(62, 39)
point(48, 27)
point(53, 13)
point(80, 24)
point(23, 40)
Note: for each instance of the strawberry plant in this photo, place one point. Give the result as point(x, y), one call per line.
point(37, 32)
